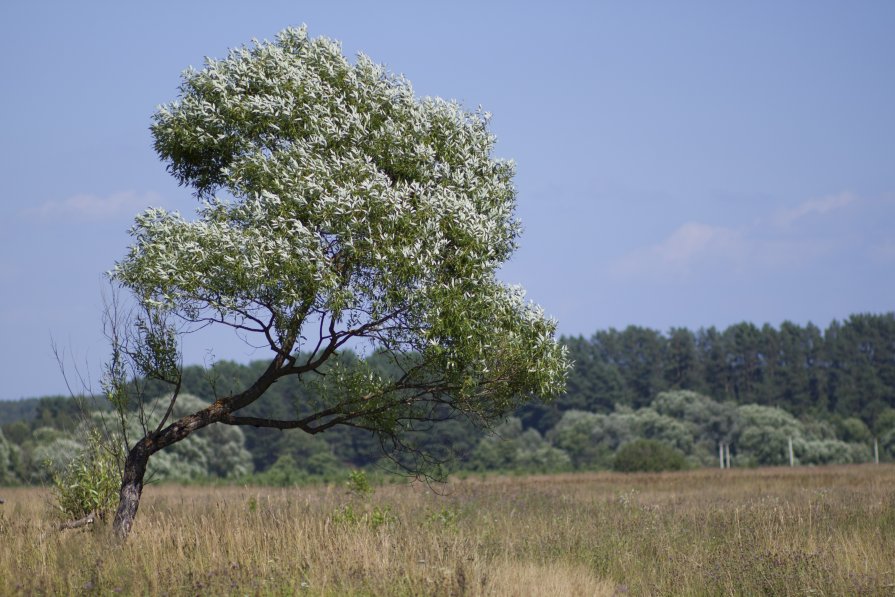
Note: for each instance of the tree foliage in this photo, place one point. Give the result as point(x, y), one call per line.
point(336, 207)
point(648, 455)
point(804, 382)
point(510, 448)
point(88, 483)
point(352, 209)
point(847, 370)
point(691, 422)
point(9, 461)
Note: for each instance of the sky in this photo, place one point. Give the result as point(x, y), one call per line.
point(685, 164)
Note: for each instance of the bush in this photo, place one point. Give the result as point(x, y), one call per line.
point(588, 438)
point(645, 455)
point(831, 451)
point(283, 473)
point(9, 461)
point(358, 484)
point(510, 448)
point(764, 433)
point(853, 430)
point(89, 483)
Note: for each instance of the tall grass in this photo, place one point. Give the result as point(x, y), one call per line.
point(823, 531)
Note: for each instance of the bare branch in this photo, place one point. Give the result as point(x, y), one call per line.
point(167, 414)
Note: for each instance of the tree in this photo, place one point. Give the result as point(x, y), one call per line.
point(648, 455)
point(510, 448)
point(9, 457)
point(683, 370)
point(711, 422)
point(637, 353)
point(745, 362)
point(764, 432)
point(593, 383)
point(854, 430)
point(789, 379)
point(711, 345)
point(336, 207)
point(587, 438)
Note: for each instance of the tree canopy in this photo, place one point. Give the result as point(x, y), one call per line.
point(352, 206)
point(336, 207)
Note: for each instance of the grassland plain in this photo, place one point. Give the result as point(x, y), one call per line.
point(802, 531)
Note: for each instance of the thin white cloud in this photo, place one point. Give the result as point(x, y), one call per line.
point(770, 243)
point(824, 205)
point(95, 207)
point(688, 245)
point(693, 240)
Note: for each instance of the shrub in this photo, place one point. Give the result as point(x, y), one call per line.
point(853, 430)
point(831, 451)
point(648, 455)
point(283, 473)
point(510, 448)
point(89, 483)
point(764, 433)
point(358, 484)
point(9, 459)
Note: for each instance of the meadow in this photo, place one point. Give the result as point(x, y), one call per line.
point(773, 531)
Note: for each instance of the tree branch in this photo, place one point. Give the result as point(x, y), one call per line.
point(161, 423)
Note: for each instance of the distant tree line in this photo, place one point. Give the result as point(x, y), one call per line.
point(847, 370)
point(831, 392)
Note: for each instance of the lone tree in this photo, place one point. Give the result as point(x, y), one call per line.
point(336, 208)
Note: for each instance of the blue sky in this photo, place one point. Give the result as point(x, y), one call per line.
point(679, 164)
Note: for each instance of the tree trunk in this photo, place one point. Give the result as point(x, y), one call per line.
point(138, 457)
point(131, 489)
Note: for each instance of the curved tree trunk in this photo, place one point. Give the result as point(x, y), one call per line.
point(131, 488)
point(138, 457)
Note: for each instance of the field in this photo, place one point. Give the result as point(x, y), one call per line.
point(802, 531)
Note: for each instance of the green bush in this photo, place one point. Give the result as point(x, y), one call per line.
point(644, 455)
point(372, 517)
point(512, 448)
point(89, 483)
point(9, 461)
point(283, 473)
point(358, 484)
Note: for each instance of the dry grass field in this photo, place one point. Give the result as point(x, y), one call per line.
point(803, 531)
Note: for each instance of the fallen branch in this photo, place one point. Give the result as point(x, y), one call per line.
point(71, 524)
point(76, 524)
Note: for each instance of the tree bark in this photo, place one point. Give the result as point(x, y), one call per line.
point(131, 488)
